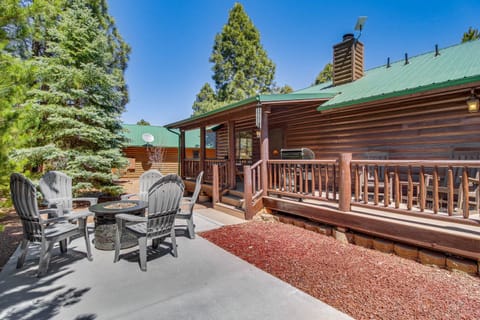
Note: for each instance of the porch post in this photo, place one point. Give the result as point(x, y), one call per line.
point(345, 182)
point(202, 150)
point(264, 149)
point(182, 153)
point(232, 172)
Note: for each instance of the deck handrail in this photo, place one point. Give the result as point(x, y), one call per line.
point(396, 185)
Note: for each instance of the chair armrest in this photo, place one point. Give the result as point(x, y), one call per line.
point(78, 215)
point(53, 216)
point(130, 218)
point(474, 180)
point(128, 196)
point(91, 200)
point(186, 200)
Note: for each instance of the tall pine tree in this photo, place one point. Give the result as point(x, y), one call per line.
point(241, 66)
point(73, 114)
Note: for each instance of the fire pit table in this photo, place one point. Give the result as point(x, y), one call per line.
point(105, 225)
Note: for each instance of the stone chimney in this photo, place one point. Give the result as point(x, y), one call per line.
point(347, 60)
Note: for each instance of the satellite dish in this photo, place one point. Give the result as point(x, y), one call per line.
point(147, 137)
point(360, 23)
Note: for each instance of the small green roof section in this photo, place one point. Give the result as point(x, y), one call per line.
point(162, 137)
point(262, 98)
point(455, 65)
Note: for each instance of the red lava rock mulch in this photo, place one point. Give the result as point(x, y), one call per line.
point(364, 283)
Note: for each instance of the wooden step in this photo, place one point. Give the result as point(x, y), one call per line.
point(233, 200)
point(236, 193)
point(231, 210)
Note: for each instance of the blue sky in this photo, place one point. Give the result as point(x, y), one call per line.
point(172, 41)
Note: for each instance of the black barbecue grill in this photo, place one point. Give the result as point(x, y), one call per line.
point(297, 154)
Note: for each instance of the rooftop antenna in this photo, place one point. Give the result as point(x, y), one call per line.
point(359, 26)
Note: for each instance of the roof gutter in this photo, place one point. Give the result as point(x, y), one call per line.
point(178, 150)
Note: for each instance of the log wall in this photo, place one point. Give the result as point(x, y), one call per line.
point(428, 129)
point(168, 165)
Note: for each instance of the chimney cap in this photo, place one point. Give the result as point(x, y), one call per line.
point(348, 36)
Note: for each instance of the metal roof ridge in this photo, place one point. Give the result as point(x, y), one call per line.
point(398, 93)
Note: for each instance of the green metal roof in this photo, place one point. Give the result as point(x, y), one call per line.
point(456, 65)
point(162, 136)
point(262, 98)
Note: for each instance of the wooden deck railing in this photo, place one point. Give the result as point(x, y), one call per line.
point(304, 179)
point(192, 169)
point(253, 190)
point(426, 188)
point(441, 186)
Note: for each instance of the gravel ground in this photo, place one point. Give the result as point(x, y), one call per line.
point(364, 283)
point(10, 236)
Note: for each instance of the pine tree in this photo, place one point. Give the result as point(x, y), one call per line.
point(325, 75)
point(74, 111)
point(13, 80)
point(205, 100)
point(143, 122)
point(471, 34)
point(241, 66)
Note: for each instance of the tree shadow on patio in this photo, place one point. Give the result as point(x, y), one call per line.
point(24, 296)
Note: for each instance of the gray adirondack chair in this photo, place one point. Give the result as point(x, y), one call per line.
point(38, 228)
point(56, 188)
point(147, 179)
point(163, 204)
point(189, 202)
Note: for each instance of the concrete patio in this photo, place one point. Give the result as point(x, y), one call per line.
point(204, 282)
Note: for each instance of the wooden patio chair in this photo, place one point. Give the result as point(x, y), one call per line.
point(473, 194)
point(369, 172)
point(190, 202)
point(473, 175)
point(44, 226)
point(163, 205)
point(56, 188)
point(147, 179)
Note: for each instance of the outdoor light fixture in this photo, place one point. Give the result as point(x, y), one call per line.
point(258, 133)
point(473, 103)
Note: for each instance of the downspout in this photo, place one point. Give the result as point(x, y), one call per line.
point(178, 148)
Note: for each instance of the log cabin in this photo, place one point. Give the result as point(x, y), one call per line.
point(396, 149)
point(155, 147)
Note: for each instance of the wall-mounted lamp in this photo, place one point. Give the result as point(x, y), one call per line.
point(258, 133)
point(473, 103)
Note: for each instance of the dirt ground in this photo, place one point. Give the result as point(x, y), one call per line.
point(11, 233)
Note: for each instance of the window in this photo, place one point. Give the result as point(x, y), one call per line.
point(243, 145)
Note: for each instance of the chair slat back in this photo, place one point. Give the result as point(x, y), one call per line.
point(464, 155)
point(56, 187)
point(196, 192)
point(147, 179)
point(24, 199)
point(163, 204)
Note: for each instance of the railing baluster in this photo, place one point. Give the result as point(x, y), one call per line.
point(450, 198)
point(409, 189)
point(397, 188)
point(435, 190)
point(466, 197)
point(375, 185)
point(422, 193)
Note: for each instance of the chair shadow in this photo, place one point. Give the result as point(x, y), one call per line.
point(163, 249)
point(24, 296)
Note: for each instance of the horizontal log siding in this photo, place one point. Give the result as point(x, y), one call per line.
point(244, 124)
point(168, 165)
point(424, 129)
point(222, 142)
